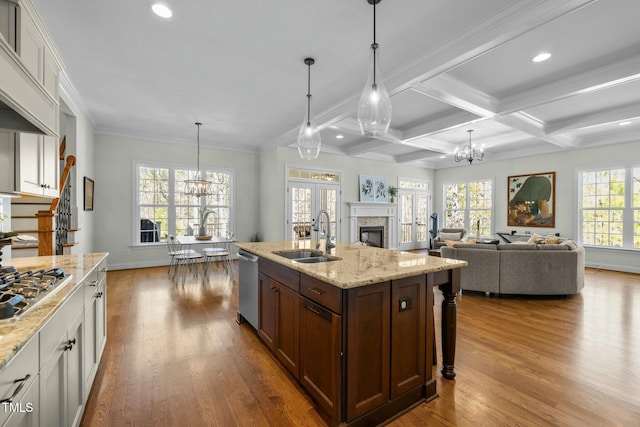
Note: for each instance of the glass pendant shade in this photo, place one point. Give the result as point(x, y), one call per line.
point(309, 134)
point(374, 109)
point(308, 139)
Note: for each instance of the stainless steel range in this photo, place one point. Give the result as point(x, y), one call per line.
point(22, 291)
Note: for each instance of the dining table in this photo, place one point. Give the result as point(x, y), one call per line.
point(219, 250)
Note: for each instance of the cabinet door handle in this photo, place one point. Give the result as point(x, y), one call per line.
point(99, 295)
point(316, 291)
point(93, 283)
point(70, 344)
point(320, 312)
point(22, 382)
point(274, 289)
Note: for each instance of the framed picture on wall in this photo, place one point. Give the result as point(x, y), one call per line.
point(367, 188)
point(88, 194)
point(532, 200)
point(380, 185)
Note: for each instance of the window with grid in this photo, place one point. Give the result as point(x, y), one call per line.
point(164, 209)
point(469, 205)
point(609, 203)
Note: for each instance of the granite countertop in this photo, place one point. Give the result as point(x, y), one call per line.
point(358, 265)
point(14, 333)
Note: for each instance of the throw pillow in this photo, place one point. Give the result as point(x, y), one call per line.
point(534, 238)
point(450, 236)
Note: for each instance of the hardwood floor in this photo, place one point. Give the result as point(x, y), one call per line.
point(177, 357)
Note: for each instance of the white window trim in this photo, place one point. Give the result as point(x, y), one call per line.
point(627, 236)
point(468, 226)
point(135, 214)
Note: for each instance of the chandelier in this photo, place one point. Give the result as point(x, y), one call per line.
point(309, 135)
point(469, 152)
point(198, 186)
point(374, 108)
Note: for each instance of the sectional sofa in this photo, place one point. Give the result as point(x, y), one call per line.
point(520, 268)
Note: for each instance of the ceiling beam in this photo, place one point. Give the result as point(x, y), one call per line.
point(615, 72)
point(593, 119)
point(461, 95)
point(535, 127)
point(366, 147)
point(439, 124)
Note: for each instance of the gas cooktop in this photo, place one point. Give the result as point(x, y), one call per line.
point(22, 291)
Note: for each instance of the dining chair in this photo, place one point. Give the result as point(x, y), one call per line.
point(181, 259)
point(219, 253)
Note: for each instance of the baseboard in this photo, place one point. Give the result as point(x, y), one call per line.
point(622, 268)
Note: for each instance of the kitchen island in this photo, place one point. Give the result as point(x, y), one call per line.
point(356, 329)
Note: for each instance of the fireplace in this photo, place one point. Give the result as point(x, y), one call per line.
point(372, 236)
point(375, 215)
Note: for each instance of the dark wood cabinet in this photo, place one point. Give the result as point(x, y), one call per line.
point(408, 340)
point(368, 349)
point(320, 355)
point(279, 321)
point(362, 353)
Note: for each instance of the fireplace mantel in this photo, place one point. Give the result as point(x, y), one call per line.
point(366, 209)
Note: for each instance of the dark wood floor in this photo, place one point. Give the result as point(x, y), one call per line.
point(177, 357)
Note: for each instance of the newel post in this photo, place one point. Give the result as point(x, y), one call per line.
point(46, 228)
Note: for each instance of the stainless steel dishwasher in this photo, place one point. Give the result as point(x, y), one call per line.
point(248, 288)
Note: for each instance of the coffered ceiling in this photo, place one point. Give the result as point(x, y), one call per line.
point(450, 66)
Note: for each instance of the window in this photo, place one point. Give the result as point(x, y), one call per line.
point(469, 205)
point(609, 203)
point(163, 209)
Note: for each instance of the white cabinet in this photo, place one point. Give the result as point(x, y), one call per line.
point(95, 320)
point(29, 69)
point(61, 360)
point(19, 387)
point(30, 164)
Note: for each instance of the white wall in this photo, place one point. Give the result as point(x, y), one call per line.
point(272, 183)
point(114, 193)
point(78, 129)
point(566, 165)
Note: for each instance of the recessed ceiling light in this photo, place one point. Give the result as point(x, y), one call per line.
point(443, 157)
point(339, 136)
point(624, 123)
point(162, 10)
point(541, 57)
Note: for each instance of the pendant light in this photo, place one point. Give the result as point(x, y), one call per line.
point(374, 109)
point(198, 186)
point(309, 135)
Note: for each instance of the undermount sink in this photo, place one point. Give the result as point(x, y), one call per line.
point(305, 257)
point(299, 254)
point(313, 260)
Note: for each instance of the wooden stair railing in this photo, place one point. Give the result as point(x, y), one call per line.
point(45, 217)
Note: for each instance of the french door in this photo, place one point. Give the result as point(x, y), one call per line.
point(304, 201)
point(414, 219)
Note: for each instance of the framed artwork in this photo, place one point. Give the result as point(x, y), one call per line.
point(88, 194)
point(380, 185)
point(532, 200)
point(373, 188)
point(367, 188)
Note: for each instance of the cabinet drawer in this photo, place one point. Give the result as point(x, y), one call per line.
point(13, 376)
point(286, 276)
point(322, 293)
point(58, 323)
point(96, 278)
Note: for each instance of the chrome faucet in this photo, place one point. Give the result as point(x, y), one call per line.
point(328, 245)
